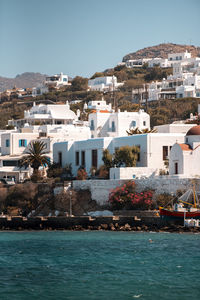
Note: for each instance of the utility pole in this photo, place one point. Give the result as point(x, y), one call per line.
point(113, 94)
point(146, 97)
point(70, 203)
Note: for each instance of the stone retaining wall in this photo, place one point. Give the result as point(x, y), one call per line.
point(83, 222)
point(100, 189)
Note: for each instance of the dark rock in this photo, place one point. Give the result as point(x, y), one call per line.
point(104, 226)
point(127, 227)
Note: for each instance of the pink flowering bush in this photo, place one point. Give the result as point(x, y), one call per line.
point(81, 174)
point(125, 197)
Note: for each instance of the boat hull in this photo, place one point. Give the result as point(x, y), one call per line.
point(178, 215)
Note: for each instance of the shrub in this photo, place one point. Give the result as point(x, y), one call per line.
point(103, 172)
point(125, 197)
point(22, 196)
point(163, 199)
point(81, 174)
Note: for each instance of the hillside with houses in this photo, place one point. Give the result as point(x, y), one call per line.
point(139, 121)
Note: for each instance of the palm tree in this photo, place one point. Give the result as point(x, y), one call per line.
point(133, 131)
point(35, 156)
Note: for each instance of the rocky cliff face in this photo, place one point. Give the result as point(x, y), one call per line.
point(162, 51)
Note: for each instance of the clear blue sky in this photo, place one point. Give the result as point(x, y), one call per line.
point(80, 37)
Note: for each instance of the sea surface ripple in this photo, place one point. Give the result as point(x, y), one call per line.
point(99, 265)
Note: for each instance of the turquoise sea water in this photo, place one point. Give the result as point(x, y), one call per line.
point(99, 265)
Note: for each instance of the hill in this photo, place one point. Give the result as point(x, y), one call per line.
point(162, 51)
point(25, 80)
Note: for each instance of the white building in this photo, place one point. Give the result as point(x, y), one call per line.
point(185, 81)
point(176, 127)
point(185, 157)
point(157, 61)
point(57, 123)
point(47, 114)
point(57, 80)
point(179, 56)
point(39, 90)
point(135, 63)
point(104, 84)
point(100, 105)
point(108, 123)
point(154, 150)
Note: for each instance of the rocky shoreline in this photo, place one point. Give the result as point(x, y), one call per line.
point(82, 223)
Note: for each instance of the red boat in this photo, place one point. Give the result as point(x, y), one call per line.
point(179, 211)
point(169, 214)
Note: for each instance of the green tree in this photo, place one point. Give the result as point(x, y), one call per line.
point(126, 156)
point(35, 156)
point(97, 74)
point(79, 83)
point(107, 159)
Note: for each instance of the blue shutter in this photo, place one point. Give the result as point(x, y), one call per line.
point(20, 143)
point(25, 143)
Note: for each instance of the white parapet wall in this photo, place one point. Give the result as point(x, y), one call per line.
point(132, 173)
point(100, 189)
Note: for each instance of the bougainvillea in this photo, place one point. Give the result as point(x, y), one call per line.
point(125, 197)
point(81, 174)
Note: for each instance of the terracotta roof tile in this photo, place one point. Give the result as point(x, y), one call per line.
point(185, 147)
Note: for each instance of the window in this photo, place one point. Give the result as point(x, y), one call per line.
point(22, 143)
point(144, 123)
point(60, 158)
point(113, 126)
point(133, 123)
point(92, 125)
point(94, 158)
point(77, 158)
point(7, 143)
point(176, 168)
point(42, 134)
point(165, 152)
point(138, 158)
point(10, 163)
point(83, 158)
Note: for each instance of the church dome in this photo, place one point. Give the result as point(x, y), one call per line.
point(194, 130)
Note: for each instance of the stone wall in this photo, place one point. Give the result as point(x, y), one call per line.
point(49, 223)
point(132, 173)
point(100, 189)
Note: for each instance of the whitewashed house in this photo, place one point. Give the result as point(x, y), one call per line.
point(39, 90)
point(57, 80)
point(157, 61)
point(57, 123)
point(44, 114)
point(104, 84)
point(154, 151)
point(184, 157)
point(104, 122)
point(135, 63)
